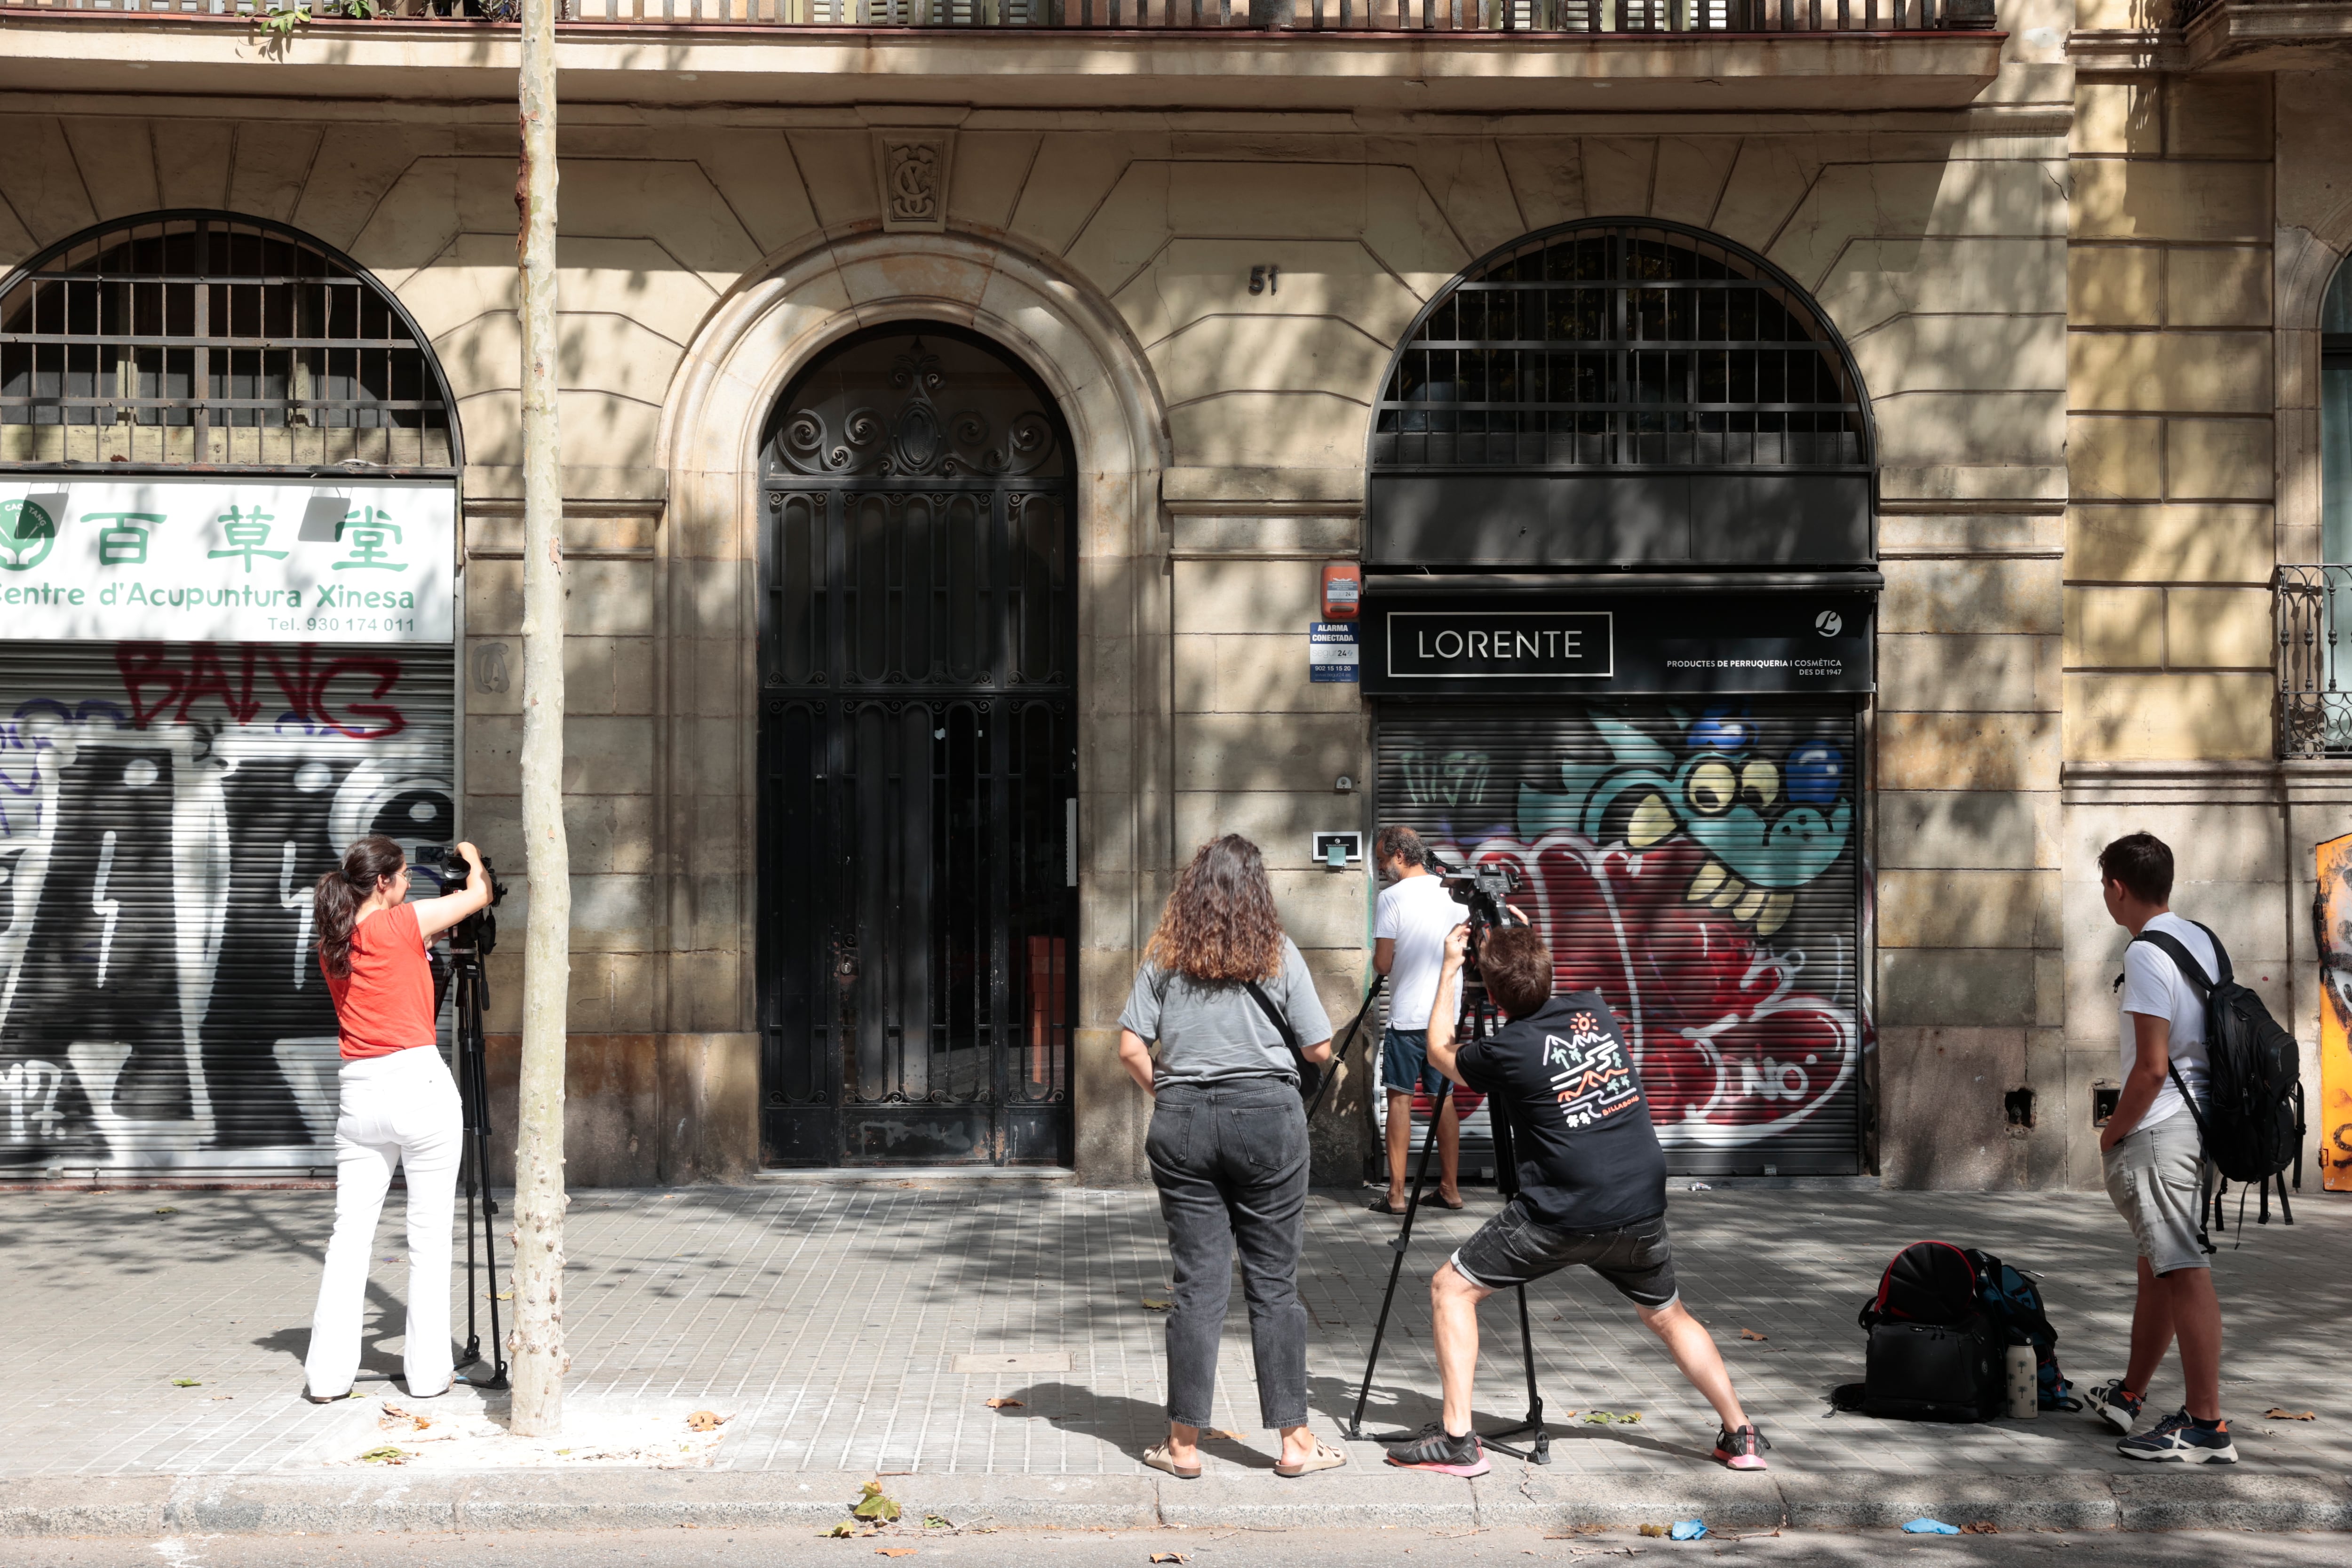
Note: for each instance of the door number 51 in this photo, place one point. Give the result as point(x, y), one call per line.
point(1266, 279)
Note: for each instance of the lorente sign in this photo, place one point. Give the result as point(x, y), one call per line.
point(190, 559)
point(1500, 645)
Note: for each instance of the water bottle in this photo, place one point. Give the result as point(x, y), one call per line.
point(2024, 1382)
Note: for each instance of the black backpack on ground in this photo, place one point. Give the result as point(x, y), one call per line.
point(2252, 1127)
point(1933, 1353)
point(1937, 1326)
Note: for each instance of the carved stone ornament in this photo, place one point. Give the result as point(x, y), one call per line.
point(913, 168)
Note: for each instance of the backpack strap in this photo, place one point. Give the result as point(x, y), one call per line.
point(2190, 970)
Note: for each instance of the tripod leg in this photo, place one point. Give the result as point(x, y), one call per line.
point(471, 1169)
point(490, 1205)
point(1396, 1267)
point(1541, 1452)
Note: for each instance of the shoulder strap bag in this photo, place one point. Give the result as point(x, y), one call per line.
point(1310, 1075)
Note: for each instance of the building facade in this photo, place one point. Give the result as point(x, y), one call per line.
point(1815, 475)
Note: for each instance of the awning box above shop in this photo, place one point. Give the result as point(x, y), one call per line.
point(1468, 636)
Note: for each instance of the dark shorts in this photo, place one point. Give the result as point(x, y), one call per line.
point(1404, 1063)
point(1513, 1249)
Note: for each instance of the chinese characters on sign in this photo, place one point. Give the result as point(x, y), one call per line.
point(190, 559)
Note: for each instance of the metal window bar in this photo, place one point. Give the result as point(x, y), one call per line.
point(2314, 715)
point(1523, 17)
point(204, 339)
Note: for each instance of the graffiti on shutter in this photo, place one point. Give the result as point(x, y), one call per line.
point(1697, 865)
point(165, 809)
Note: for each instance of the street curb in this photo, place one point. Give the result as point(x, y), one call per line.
point(349, 1502)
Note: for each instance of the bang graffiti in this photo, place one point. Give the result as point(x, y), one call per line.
point(1699, 869)
point(162, 815)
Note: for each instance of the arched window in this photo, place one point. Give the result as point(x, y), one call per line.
point(192, 338)
point(2336, 419)
point(1621, 392)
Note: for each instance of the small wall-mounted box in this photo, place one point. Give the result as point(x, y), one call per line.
point(1338, 850)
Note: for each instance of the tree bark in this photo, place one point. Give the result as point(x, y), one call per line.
point(536, 1344)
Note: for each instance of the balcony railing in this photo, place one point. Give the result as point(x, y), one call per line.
point(1628, 17)
point(2311, 609)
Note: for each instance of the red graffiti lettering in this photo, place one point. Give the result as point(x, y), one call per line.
point(208, 677)
point(386, 670)
point(299, 689)
point(143, 667)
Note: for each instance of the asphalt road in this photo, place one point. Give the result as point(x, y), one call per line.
point(1136, 1548)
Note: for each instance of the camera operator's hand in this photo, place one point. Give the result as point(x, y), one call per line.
point(473, 857)
point(435, 916)
point(1457, 947)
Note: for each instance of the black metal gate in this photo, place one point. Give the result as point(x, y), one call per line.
point(918, 760)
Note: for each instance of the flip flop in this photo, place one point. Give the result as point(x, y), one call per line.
point(1157, 1458)
point(1456, 1203)
point(1383, 1207)
point(1325, 1458)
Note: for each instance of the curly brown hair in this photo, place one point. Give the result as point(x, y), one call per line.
point(1220, 922)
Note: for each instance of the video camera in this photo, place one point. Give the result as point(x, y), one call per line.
point(1481, 890)
point(479, 930)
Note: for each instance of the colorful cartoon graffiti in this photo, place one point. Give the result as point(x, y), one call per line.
point(2331, 918)
point(1698, 869)
point(163, 815)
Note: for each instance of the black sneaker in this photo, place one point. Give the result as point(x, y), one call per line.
point(2114, 1403)
point(2179, 1440)
point(1433, 1448)
point(1740, 1450)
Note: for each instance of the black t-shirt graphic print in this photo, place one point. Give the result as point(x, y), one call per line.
point(1587, 1155)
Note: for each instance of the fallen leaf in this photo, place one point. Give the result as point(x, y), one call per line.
point(937, 1522)
point(506, 1295)
point(1981, 1527)
point(873, 1505)
point(1752, 1334)
point(841, 1531)
point(1599, 1417)
point(1171, 1557)
point(2276, 1413)
point(1654, 1529)
point(894, 1551)
point(186, 1382)
point(218, 1397)
point(1151, 1306)
point(1005, 1404)
point(387, 1454)
point(705, 1421)
point(1632, 1420)
point(167, 1211)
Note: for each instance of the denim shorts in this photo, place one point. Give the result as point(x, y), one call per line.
point(2154, 1179)
point(1404, 1063)
point(1513, 1249)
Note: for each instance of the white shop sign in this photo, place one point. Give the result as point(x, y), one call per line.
point(194, 560)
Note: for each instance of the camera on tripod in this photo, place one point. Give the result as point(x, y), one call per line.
point(479, 930)
point(1482, 891)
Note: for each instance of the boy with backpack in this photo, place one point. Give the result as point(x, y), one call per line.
point(2152, 1155)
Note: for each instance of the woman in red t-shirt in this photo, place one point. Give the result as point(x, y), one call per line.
point(398, 1106)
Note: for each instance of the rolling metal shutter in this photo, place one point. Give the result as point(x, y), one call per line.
point(1696, 862)
point(165, 811)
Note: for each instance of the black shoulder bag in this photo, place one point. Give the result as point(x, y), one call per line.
point(1310, 1076)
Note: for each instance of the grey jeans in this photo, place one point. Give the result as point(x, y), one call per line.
point(1230, 1161)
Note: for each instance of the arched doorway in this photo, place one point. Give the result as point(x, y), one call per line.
point(1619, 587)
point(918, 749)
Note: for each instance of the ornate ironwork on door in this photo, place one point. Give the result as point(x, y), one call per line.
point(919, 759)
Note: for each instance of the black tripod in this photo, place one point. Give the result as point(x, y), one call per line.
point(1477, 1022)
point(472, 995)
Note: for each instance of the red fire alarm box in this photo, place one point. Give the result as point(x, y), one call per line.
point(1343, 590)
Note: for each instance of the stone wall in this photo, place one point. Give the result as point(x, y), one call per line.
point(2075, 517)
point(2171, 536)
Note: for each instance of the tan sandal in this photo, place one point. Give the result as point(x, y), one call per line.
point(1157, 1458)
point(1325, 1458)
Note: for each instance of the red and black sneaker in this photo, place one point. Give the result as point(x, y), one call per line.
point(1435, 1448)
point(1740, 1450)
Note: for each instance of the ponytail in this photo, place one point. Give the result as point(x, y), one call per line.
point(336, 900)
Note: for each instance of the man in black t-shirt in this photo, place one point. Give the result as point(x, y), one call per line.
point(1592, 1188)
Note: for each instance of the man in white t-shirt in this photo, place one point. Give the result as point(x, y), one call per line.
point(2153, 1158)
point(1408, 934)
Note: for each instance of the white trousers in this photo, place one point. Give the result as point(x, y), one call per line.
point(398, 1109)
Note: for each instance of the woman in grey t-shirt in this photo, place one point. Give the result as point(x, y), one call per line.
point(1228, 1142)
